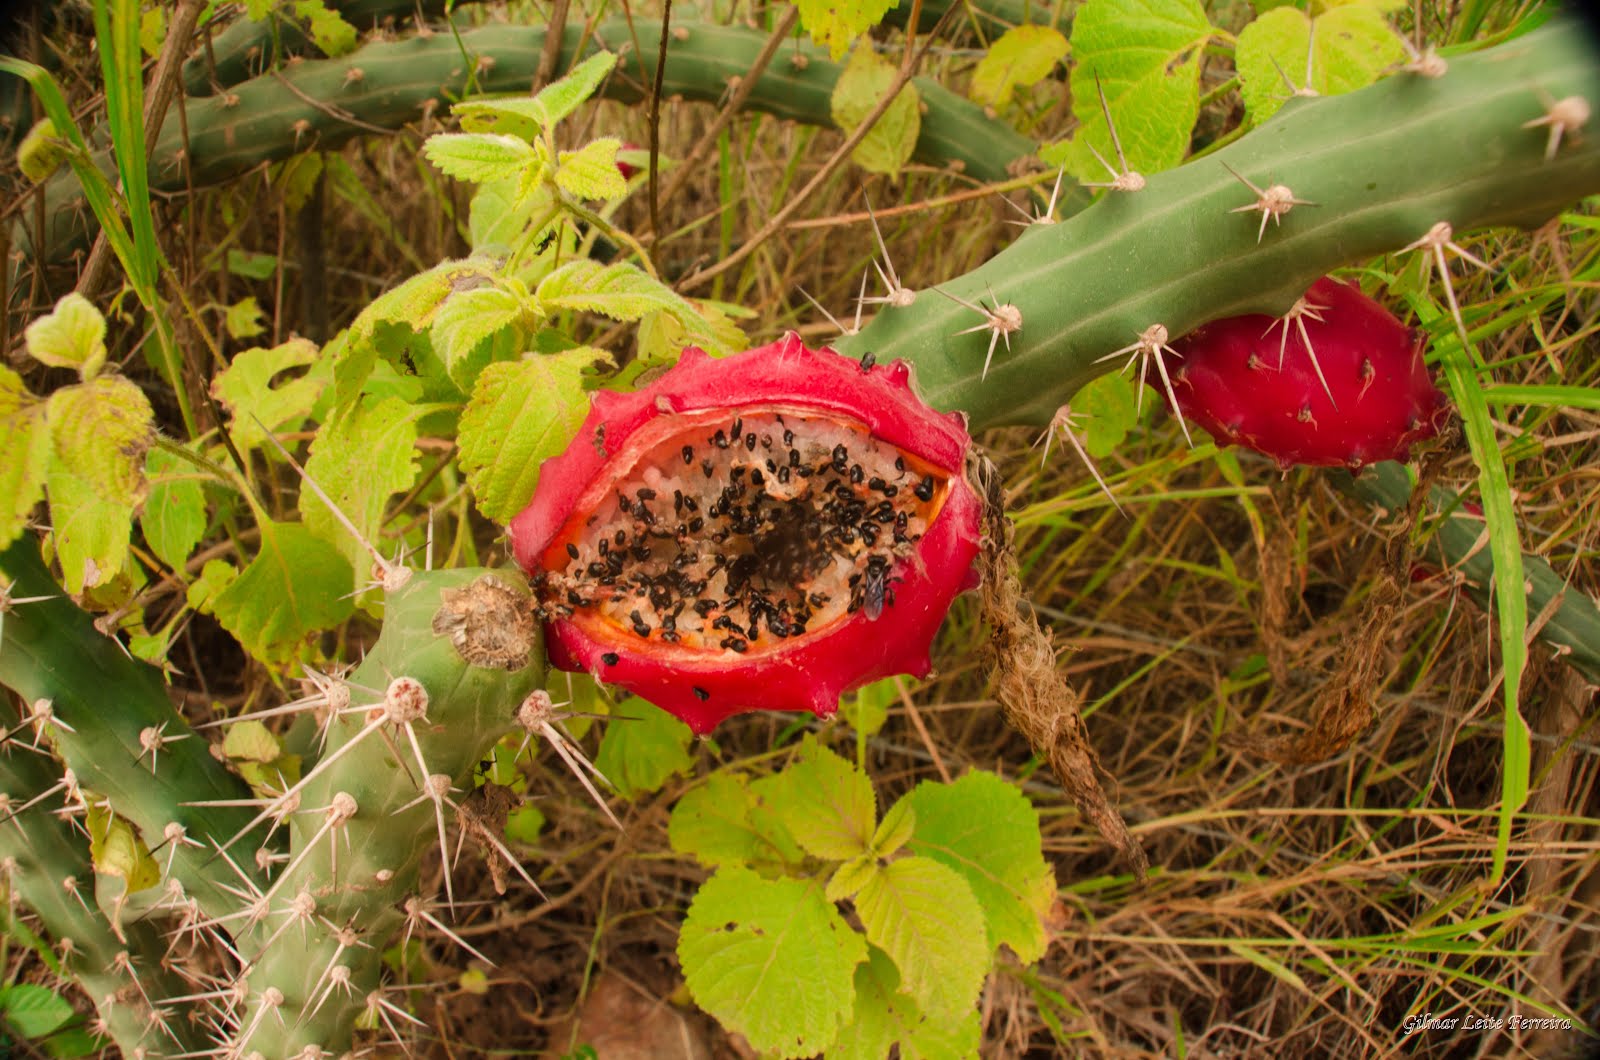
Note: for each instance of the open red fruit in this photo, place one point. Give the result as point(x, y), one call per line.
point(1367, 395)
point(764, 531)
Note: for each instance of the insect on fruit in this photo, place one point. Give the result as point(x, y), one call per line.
point(764, 531)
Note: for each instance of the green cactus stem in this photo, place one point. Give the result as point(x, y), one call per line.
point(111, 708)
point(325, 103)
point(39, 852)
point(1383, 165)
point(365, 826)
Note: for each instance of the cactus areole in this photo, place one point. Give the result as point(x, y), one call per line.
point(764, 531)
point(1338, 382)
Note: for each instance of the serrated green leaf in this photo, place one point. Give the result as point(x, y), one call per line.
point(25, 456)
point(360, 461)
point(1146, 54)
point(521, 412)
point(865, 80)
point(243, 319)
point(662, 336)
point(923, 915)
point(1110, 409)
point(246, 389)
point(721, 823)
point(99, 433)
point(464, 321)
point(215, 576)
point(1023, 56)
point(771, 959)
point(560, 98)
point(987, 830)
point(591, 172)
point(527, 118)
point(1351, 47)
point(850, 877)
point(884, 1018)
point(478, 157)
point(837, 23)
point(621, 291)
point(329, 31)
point(117, 850)
point(73, 336)
point(502, 211)
point(826, 803)
point(174, 516)
point(894, 831)
point(297, 585)
point(643, 746)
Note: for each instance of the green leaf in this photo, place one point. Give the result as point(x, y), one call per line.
point(329, 31)
point(360, 461)
point(837, 23)
point(479, 157)
point(25, 456)
point(867, 708)
point(850, 877)
point(771, 959)
point(251, 741)
point(722, 823)
point(865, 80)
point(662, 336)
point(34, 1011)
point(987, 830)
point(894, 831)
point(465, 320)
point(246, 389)
point(826, 803)
point(883, 1018)
point(215, 576)
point(74, 336)
point(251, 266)
point(621, 292)
point(501, 213)
point(1110, 409)
point(1023, 56)
point(524, 824)
point(643, 746)
point(591, 173)
point(521, 412)
point(41, 152)
point(527, 118)
point(1350, 48)
point(243, 319)
point(1147, 56)
point(99, 433)
point(174, 516)
point(297, 585)
point(923, 914)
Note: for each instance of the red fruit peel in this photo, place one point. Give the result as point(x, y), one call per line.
point(1377, 402)
point(764, 531)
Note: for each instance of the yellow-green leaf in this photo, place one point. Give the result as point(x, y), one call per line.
point(866, 79)
point(923, 915)
point(329, 31)
point(250, 388)
point(73, 336)
point(243, 318)
point(591, 172)
point(837, 23)
point(521, 412)
point(116, 850)
point(1023, 56)
point(479, 157)
point(41, 152)
point(174, 516)
point(1349, 48)
point(24, 457)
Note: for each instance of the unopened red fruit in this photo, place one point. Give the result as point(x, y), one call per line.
point(764, 531)
point(1377, 402)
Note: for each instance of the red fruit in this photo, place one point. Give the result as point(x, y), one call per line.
point(765, 531)
point(628, 169)
point(1378, 398)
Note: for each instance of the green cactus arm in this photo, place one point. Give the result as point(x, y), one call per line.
point(361, 872)
point(1574, 626)
point(50, 650)
point(1384, 164)
point(326, 102)
point(38, 852)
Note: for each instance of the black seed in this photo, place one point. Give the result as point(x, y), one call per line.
point(788, 436)
point(706, 466)
point(750, 441)
point(572, 550)
point(900, 464)
point(610, 658)
point(857, 474)
point(645, 493)
point(841, 458)
point(699, 693)
point(924, 489)
point(738, 644)
point(876, 484)
point(688, 454)
point(756, 477)
point(738, 428)
point(621, 538)
point(720, 440)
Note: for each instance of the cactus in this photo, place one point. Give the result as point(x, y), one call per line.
point(459, 664)
point(325, 103)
